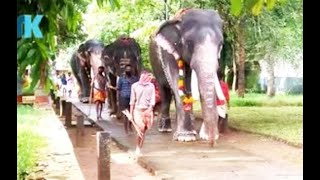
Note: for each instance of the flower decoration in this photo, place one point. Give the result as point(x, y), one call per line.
point(186, 99)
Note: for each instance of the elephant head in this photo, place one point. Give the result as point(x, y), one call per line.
point(117, 55)
point(194, 36)
point(87, 57)
point(122, 52)
point(92, 53)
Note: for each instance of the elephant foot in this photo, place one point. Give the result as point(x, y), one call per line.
point(205, 135)
point(185, 136)
point(164, 125)
point(113, 116)
point(84, 100)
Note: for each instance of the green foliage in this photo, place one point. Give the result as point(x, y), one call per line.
point(255, 7)
point(60, 25)
point(236, 7)
point(252, 76)
point(28, 140)
point(138, 20)
point(277, 34)
point(283, 123)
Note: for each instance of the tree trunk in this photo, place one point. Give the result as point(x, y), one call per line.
point(234, 66)
point(41, 96)
point(271, 79)
point(241, 60)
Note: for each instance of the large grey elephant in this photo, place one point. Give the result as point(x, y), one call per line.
point(195, 37)
point(117, 55)
point(86, 58)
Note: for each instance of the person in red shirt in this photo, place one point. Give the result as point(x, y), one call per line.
point(157, 107)
point(222, 106)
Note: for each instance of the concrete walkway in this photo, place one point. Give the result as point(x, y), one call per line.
point(169, 159)
point(59, 161)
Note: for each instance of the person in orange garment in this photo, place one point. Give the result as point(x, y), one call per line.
point(99, 86)
point(142, 101)
point(222, 106)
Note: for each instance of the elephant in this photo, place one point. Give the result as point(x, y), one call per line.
point(86, 58)
point(117, 55)
point(193, 37)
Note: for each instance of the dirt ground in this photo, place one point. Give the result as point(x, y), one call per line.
point(123, 165)
point(272, 150)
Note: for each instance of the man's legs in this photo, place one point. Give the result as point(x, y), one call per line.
point(223, 124)
point(97, 108)
point(146, 118)
point(101, 106)
point(140, 141)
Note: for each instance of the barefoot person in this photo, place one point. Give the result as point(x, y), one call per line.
point(142, 101)
point(99, 91)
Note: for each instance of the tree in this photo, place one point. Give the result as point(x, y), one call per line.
point(255, 7)
point(276, 36)
point(61, 20)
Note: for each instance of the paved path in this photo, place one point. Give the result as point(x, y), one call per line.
point(58, 160)
point(169, 159)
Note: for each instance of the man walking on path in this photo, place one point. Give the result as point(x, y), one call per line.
point(99, 87)
point(124, 91)
point(142, 101)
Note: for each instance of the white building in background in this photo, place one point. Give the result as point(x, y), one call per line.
point(288, 77)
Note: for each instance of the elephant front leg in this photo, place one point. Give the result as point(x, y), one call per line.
point(85, 87)
point(185, 130)
point(164, 124)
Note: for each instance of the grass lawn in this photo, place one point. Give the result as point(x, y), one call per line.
point(281, 122)
point(263, 100)
point(28, 141)
point(279, 117)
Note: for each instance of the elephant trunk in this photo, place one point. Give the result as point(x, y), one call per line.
point(205, 64)
point(96, 61)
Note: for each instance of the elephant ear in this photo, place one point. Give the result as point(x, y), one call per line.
point(168, 37)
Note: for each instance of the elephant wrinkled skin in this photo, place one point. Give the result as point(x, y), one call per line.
point(196, 37)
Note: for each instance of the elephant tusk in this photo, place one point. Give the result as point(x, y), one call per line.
point(218, 88)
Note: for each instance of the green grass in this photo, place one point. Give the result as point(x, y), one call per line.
point(29, 142)
point(279, 117)
point(257, 100)
point(284, 123)
point(263, 100)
